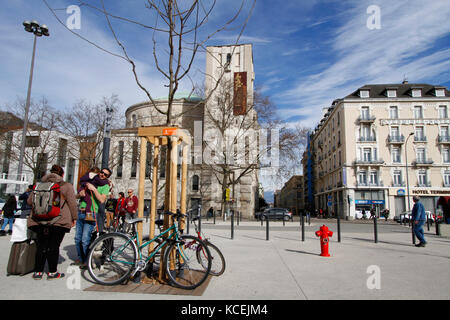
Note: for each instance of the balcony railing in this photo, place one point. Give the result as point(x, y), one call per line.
point(422, 162)
point(369, 162)
point(401, 184)
point(366, 118)
point(444, 139)
point(396, 138)
point(420, 139)
point(370, 184)
point(367, 139)
point(423, 185)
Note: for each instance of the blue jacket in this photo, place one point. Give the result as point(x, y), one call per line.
point(418, 211)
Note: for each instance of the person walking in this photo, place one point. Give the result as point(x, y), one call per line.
point(24, 207)
point(9, 209)
point(418, 217)
point(85, 229)
point(110, 208)
point(51, 234)
point(131, 205)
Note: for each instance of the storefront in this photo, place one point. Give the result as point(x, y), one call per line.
point(428, 196)
point(368, 199)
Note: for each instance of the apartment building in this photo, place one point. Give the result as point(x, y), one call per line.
point(379, 142)
point(291, 195)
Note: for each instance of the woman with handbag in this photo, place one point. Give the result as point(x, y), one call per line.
point(8, 214)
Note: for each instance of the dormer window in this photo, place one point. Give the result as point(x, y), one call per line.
point(363, 93)
point(391, 93)
point(439, 92)
point(416, 93)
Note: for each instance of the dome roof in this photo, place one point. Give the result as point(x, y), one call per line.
point(183, 95)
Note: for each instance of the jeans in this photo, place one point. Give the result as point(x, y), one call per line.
point(418, 230)
point(9, 221)
point(83, 235)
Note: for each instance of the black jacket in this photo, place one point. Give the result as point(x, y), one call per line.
point(9, 208)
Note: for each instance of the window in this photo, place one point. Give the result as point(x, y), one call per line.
point(422, 176)
point(443, 112)
point(418, 112)
point(416, 93)
point(134, 156)
point(364, 93)
point(41, 165)
point(62, 150)
point(419, 134)
point(395, 133)
point(374, 178)
point(446, 155)
point(393, 112)
point(365, 113)
point(391, 93)
point(134, 121)
point(397, 177)
point(195, 182)
point(440, 92)
point(32, 141)
point(420, 154)
point(120, 161)
point(367, 154)
point(396, 155)
point(443, 132)
point(70, 170)
point(447, 178)
point(365, 133)
point(362, 177)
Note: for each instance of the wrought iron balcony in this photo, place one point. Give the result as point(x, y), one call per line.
point(370, 184)
point(366, 162)
point(422, 162)
point(367, 139)
point(401, 184)
point(396, 138)
point(444, 139)
point(423, 185)
point(420, 139)
point(366, 118)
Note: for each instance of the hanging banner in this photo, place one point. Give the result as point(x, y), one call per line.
point(240, 93)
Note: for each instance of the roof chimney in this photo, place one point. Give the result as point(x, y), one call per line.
point(405, 80)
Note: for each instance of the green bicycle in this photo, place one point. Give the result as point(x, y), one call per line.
point(115, 257)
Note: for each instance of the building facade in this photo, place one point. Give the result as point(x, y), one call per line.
point(291, 195)
point(379, 142)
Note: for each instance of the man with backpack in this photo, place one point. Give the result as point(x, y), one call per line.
point(53, 214)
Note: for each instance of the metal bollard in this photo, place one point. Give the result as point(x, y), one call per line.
point(214, 214)
point(339, 227)
point(232, 226)
point(199, 222)
point(303, 227)
point(375, 230)
point(238, 217)
point(428, 223)
point(284, 222)
point(436, 221)
point(267, 229)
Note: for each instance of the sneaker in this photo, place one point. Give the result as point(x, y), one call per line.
point(9, 232)
point(55, 275)
point(421, 244)
point(83, 266)
point(37, 275)
point(2, 233)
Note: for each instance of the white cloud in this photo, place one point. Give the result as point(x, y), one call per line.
point(409, 29)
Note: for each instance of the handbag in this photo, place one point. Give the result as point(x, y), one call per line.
point(20, 230)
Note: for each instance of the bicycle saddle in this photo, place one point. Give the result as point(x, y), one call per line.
point(134, 220)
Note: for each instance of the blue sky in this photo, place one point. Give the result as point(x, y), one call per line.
point(306, 52)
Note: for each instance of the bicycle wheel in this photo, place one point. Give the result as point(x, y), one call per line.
point(112, 258)
point(217, 259)
point(182, 266)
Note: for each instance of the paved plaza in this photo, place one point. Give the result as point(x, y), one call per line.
point(283, 267)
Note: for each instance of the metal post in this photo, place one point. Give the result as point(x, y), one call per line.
point(302, 220)
point(375, 230)
point(267, 229)
point(199, 218)
point(232, 226)
point(25, 120)
point(188, 222)
point(339, 226)
point(214, 215)
point(428, 222)
point(436, 220)
point(238, 217)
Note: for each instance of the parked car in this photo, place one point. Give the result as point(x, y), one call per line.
point(274, 214)
point(405, 217)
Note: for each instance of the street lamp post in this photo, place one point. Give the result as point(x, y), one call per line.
point(38, 31)
point(407, 186)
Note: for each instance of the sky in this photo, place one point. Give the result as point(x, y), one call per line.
point(306, 53)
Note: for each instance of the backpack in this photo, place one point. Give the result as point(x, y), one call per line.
point(46, 202)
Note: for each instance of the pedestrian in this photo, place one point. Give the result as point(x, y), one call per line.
point(372, 213)
point(50, 234)
point(24, 207)
point(9, 209)
point(86, 230)
point(418, 217)
point(363, 213)
point(94, 177)
point(131, 204)
point(110, 208)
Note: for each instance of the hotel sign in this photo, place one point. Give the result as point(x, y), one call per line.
point(414, 121)
point(431, 192)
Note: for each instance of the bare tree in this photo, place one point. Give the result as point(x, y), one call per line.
point(42, 134)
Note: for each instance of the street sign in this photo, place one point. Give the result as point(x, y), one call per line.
point(330, 204)
point(227, 194)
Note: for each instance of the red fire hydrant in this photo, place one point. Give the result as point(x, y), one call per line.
point(324, 233)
